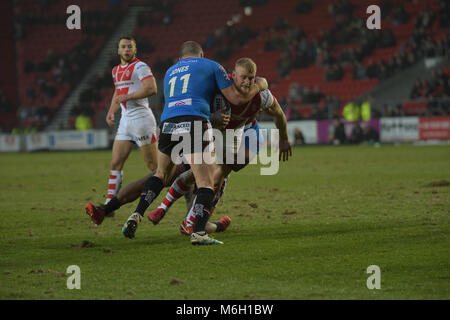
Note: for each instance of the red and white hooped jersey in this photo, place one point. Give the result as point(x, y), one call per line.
point(128, 79)
point(247, 112)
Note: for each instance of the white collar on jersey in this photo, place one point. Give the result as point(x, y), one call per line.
point(126, 65)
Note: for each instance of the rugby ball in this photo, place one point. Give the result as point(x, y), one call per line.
point(220, 103)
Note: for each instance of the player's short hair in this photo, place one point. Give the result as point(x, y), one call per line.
point(190, 48)
point(127, 38)
point(246, 63)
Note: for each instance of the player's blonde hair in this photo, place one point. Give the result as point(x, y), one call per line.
point(189, 48)
point(246, 63)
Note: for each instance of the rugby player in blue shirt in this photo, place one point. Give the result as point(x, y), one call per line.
point(189, 86)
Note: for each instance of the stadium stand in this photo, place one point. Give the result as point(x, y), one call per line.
point(317, 55)
point(8, 85)
point(51, 59)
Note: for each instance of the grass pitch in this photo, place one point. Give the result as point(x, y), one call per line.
point(309, 232)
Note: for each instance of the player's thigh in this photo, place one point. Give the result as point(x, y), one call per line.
point(150, 154)
point(120, 152)
point(204, 174)
point(220, 173)
point(165, 167)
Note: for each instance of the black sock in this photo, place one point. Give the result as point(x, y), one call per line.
point(151, 190)
point(111, 206)
point(219, 227)
point(202, 208)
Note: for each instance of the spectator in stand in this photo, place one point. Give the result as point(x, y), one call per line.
point(351, 111)
point(437, 86)
point(299, 139)
point(275, 42)
point(399, 15)
point(372, 69)
point(333, 73)
point(316, 95)
point(359, 71)
point(284, 65)
point(341, 8)
point(307, 96)
point(370, 135)
point(4, 105)
point(357, 134)
point(83, 122)
point(346, 56)
point(332, 105)
point(295, 92)
point(426, 18)
point(444, 14)
point(283, 102)
point(339, 136)
point(387, 38)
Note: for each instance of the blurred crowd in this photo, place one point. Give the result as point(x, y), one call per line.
point(160, 13)
point(228, 39)
point(297, 50)
point(359, 133)
point(5, 106)
point(57, 72)
point(436, 87)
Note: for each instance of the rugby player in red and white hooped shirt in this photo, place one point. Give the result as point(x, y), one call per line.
point(134, 83)
point(243, 121)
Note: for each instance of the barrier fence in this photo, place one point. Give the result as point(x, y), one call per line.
point(390, 130)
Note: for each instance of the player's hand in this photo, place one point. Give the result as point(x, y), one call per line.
point(285, 150)
point(225, 120)
point(110, 119)
point(262, 83)
point(219, 120)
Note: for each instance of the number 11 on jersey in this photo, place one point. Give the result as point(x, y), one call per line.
point(185, 80)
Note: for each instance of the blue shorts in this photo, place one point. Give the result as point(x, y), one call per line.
point(253, 138)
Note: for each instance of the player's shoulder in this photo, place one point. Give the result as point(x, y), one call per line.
point(212, 63)
point(266, 98)
point(206, 60)
point(140, 64)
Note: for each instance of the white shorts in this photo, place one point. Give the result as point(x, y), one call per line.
point(142, 131)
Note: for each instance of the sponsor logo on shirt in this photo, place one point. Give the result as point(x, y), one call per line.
point(184, 102)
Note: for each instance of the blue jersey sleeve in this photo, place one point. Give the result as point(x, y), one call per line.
point(221, 75)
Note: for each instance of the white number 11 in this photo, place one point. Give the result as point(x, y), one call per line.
point(185, 80)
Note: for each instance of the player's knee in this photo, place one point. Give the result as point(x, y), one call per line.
point(161, 175)
point(151, 165)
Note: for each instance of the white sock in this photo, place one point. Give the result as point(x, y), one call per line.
point(114, 184)
point(178, 188)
